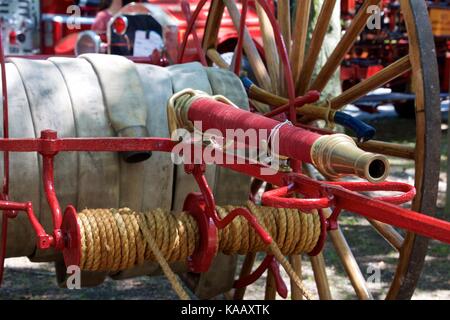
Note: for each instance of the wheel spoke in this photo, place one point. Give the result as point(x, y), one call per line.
point(271, 290)
point(300, 33)
point(425, 83)
point(265, 96)
point(384, 76)
point(389, 149)
point(350, 265)
point(317, 38)
point(251, 52)
point(320, 275)
point(213, 25)
point(389, 73)
point(349, 262)
point(344, 45)
point(216, 58)
point(246, 269)
point(416, 19)
point(388, 233)
point(284, 20)
point(238, 51)
point(270, 47)
point(346, 256)
point(296, 262)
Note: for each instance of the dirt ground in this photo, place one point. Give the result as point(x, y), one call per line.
point(24, 280)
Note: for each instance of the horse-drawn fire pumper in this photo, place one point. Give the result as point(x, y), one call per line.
point(89, 146)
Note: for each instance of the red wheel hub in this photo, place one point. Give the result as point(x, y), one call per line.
point(72, 237)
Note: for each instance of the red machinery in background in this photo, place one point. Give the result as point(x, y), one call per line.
point(35, 26)
point(440, 20)
point(50, 27)
point(61, 24)
point(165, 24)
point(32, 27)
point(378, 48)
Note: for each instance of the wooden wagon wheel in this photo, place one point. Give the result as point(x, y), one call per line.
point(423, 67)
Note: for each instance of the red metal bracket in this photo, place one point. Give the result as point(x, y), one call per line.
point(309, 97)
point(323, 235)
point(49, 138)
point(210, 209)
point(201, 259)
point(202, 207)
point(279, 198)
point(43, 240)
point(407, 191)
point(270, 263)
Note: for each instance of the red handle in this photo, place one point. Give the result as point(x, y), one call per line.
point(408, 192)
point(270, 263)
point(277, 198)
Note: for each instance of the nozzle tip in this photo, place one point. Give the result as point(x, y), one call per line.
point(337, 155)
point(374, 168)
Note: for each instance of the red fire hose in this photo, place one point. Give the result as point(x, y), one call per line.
point(217, 115)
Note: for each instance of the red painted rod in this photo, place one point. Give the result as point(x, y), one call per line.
point(186, 8)
point(189, 28)
point(52, 199)
point(27, 207)
point(394, 215)
point(86, 144)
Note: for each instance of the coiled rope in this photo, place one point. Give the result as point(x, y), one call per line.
point(119, 239)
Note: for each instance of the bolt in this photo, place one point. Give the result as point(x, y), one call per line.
point(49, 134)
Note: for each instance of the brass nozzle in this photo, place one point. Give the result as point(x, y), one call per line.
point(337, 155)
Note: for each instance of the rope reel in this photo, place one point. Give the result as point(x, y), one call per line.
point(115, 239)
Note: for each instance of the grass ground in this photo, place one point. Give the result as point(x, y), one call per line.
point(24, 280)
